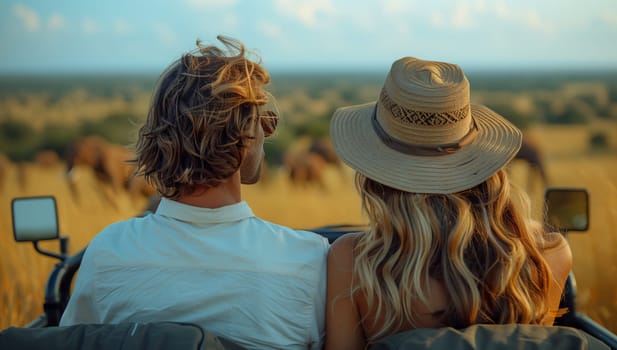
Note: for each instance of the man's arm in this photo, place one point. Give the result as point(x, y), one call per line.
point(82, 303)
point(319, 299)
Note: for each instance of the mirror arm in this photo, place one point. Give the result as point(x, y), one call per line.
point(64, 244)
point(47, 253)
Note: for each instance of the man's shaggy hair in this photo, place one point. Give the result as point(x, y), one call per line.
point(202, 116)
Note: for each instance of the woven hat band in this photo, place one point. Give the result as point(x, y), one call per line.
point(418, 149)
point(425, 102)
point(419, 127)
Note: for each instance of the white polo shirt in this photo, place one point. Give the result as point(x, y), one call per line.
point(259, 284)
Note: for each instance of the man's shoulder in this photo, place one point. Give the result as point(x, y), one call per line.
point(112, 232)
point(300, 235)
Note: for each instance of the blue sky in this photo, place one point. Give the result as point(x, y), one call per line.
point(146, 35)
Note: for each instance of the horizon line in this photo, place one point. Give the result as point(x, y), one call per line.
point(311, 70)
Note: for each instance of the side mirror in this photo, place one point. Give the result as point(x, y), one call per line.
point(567, 209)
point(35, 219)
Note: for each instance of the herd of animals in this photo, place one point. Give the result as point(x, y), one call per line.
point(304, 166)
point(107, 161)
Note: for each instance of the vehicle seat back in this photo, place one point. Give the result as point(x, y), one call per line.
point(492, 337)
point(123, 336)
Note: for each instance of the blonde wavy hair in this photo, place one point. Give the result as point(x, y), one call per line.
point(202, 116)
point(481, 244)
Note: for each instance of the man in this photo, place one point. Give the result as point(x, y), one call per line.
point(203, 257)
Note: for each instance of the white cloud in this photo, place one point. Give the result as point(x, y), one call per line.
point(526, 18)
point(56, 22)
point(610, 18)
point(305, 11)
point(230, 21)
point(363, 21)
point(438, 20)
point(28, 16)
point(165, 33)
point(501, 9)
point(534, 21)
point(480, 5)
point(468, 14)
point(462, 16)
point(269, 29)
point(121, 26)
point(89, 26)
point(396, 7)
point(211, 3)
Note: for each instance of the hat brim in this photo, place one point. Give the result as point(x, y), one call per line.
point(358, 145)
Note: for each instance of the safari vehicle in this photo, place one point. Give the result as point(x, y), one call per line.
point(35, 219)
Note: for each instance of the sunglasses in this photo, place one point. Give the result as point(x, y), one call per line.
point(268, 120)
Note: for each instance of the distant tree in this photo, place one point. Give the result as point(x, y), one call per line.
point(275, 150)
point(349, 95)
point(591, 100)
point(119, 127)
point(612, 92)
point(276, 146)
point(12, 130)
point(18, 139)
point(316, 127)
point(544, 109)
point(604, 112)
point(598, 141)
point(517, 118)
point(57, 137)
point(572, 114)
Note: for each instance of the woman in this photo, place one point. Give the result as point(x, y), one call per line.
point(450, 242)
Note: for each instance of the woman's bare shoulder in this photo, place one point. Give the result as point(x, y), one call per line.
point(558, 255)
point(555, 242)
point(341, 251)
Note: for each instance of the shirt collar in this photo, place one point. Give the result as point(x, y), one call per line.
point(198, 215)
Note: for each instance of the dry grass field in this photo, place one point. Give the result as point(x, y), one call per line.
point(23, 272)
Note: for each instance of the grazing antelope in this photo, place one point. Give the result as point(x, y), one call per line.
point(110, 163)
point(306, 166)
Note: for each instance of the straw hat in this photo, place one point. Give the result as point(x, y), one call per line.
point(423, 135)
